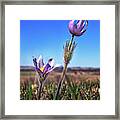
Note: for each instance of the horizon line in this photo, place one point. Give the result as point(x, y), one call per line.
point(63, 66)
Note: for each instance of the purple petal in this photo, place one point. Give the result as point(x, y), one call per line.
point(70, 26)
point(82, 32)
point(50, 70)
point(80, 23)
point(36, 67)
point(35, 62)
point(47, 67)
point(81, 26)
point(40, 62)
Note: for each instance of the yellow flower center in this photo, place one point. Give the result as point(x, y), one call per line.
point(42, 68)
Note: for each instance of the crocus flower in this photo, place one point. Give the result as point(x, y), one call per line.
point(77, 27)
point(41, 68)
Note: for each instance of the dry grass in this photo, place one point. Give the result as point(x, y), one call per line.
point(55, 76)
point(77, 86)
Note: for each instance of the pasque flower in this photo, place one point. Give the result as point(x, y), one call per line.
point(41, 68)
point(77, 27)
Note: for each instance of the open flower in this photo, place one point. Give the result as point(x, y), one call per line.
point(41, 68)
point(77, 27)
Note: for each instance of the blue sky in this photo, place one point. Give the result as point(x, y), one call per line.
point(47, 37)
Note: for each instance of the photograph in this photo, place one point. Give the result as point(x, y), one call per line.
point(60, 59)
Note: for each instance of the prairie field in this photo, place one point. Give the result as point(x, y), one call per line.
point(49, 74)
point(77, 85)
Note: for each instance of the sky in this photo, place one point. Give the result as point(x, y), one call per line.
point(47, 38)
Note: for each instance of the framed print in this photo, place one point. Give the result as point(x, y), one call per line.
point(60, 59)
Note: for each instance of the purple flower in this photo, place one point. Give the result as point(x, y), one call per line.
point(77, 27)
point(41, 68)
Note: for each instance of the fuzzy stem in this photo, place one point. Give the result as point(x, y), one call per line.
point(40, 91)
point(63, 74)
point(72, 38)
point(40, 88)
point(61, 81)
point(71, 42)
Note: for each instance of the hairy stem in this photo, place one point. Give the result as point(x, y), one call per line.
point(64, 70)
point(61, 82)
point(39, 90)
point(72, 38)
